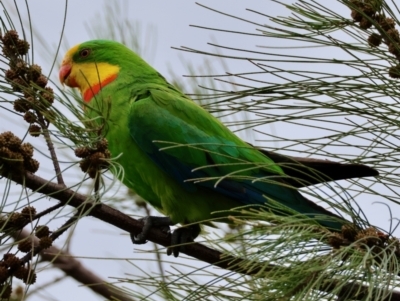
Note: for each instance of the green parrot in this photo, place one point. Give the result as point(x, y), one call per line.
point(180, 158)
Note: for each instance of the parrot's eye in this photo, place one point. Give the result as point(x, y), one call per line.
point(84, 52)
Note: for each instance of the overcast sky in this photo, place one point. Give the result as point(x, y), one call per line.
point(164, 24)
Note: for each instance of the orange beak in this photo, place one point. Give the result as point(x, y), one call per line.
point(65, 71)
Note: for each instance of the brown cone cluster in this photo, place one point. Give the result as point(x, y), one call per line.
point(367, 14)
point(16, 157)
point(13, 266)
point(94, 159)
point(17, 220)
point(365, 11)
point(369, 237)
point(365, 240)
point(27, 79)
point(26, 275)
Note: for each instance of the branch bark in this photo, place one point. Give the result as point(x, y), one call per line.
point(76, 270)
point(196, 250)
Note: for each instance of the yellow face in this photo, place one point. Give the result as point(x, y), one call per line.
point(89, 77)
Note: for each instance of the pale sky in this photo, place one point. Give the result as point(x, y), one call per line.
point(170, 21)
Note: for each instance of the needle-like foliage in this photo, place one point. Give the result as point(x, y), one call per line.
point(326, 75)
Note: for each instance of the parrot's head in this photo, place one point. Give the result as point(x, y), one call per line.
point(91, 66)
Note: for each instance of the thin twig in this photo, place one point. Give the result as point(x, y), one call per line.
point(46, 211)
point(56, 234)
point(97, 186)
point(76, 270)
point(50, 146)
point(196, 250)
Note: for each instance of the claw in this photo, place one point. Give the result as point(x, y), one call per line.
point(149, 222)
point(181, 236)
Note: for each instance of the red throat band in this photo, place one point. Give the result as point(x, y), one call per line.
point(93, 90)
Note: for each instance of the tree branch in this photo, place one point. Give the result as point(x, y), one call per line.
point(196, 250)
point(75, 269)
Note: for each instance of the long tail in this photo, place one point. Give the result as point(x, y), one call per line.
point(303, 172)
point(259, 193)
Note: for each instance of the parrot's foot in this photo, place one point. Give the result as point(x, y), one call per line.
point(182, 235)
point(151, 222)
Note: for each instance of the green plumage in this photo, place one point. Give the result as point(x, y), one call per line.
point(164, 141)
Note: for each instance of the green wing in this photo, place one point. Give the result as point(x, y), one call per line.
point(190, 145)
point(179, 136)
